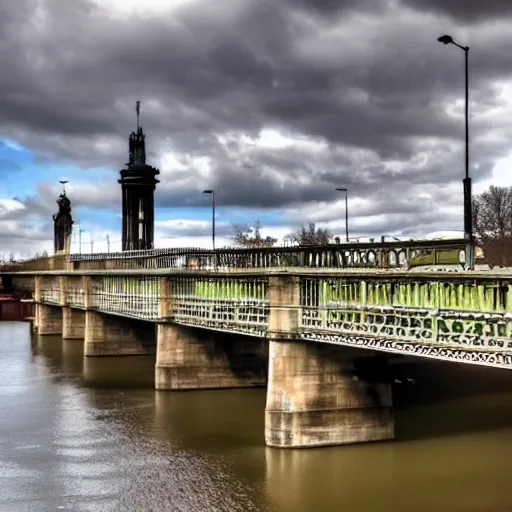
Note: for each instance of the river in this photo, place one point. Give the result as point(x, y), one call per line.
point(91, 434)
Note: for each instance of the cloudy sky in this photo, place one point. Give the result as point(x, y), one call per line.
point(272, 103)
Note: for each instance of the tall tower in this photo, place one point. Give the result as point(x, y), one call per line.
point(138, 184)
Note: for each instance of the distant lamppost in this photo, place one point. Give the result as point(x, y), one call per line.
point(466, 182)
point(346, 210)
point(212, 193)
point(80, 231)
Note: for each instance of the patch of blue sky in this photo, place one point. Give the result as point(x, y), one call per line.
point(13, 162)
point(20, 173)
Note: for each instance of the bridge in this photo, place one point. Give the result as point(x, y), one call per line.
point(316, 325)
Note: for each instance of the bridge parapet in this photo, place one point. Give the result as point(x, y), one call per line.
point(50, 290)
point(394, 254)
point(75, 291)
point(450, 318)
point(223, 303)
point(136, 297)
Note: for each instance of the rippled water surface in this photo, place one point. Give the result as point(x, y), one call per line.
point(91, 434)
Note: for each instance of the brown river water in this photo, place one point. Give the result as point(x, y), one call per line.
point(91, 434)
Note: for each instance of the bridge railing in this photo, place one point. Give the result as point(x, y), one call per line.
point(50, 290)
point(227, 303)
point(467, 314)
point(394, 254)
point(75, 292)
point(45, 263)
point(134, 297)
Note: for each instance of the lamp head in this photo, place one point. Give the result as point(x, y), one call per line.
point(445, 39)
point(207, 191)
point(341, 189)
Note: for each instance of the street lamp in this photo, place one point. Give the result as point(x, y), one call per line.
point(80, 231)
point(346, 210)
point(212, 193)
point(466, 182)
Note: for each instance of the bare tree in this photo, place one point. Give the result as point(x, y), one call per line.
point(250, 236)
point(492, 223)
point(310, 235)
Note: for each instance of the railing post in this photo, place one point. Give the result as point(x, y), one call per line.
point(166, 299)
point(62, 290)
point(88, 298)
point(37, 289)
point(284, 301)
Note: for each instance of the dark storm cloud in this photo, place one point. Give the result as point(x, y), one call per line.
point(464, 10)
point(333, 7)
point(367, 79)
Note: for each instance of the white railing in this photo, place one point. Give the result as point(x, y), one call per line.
point(50, 295)
point(138, 306)
point(248, 316)
point(76, 297)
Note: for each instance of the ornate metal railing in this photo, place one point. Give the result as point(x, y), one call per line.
point(128, 296)
point(225, 304)
point(469, 318)
point(50, 290)
point(354, 255)
point(75, 292)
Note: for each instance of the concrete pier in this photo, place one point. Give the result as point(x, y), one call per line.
point(73, 323)
point(109, 335)
point(322, 395)
point(49, 319)
point(192, 358)
point(319, 394)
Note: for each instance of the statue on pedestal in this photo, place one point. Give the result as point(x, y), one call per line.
point(62, 223)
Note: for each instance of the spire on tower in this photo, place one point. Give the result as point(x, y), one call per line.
point(137, 151)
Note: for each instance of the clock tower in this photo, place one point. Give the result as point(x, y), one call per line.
point(138, 184)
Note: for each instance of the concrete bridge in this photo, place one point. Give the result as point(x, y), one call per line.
point(318, 336)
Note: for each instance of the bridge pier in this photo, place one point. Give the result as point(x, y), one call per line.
point(48, 319)
point(73, 323)
point(110, 335)
point(193, 358)
point(321, 395)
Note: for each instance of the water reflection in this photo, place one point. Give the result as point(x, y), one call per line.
point(91, 434)
point(357, 477)
point(213, 421)
point(119, 372)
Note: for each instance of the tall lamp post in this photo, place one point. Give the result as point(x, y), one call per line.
point(466, 182)
point(80, 231)
point(346, 210)
point(212, 193)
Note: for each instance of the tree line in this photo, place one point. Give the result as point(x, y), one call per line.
point(250, 236)
point(492, 227)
